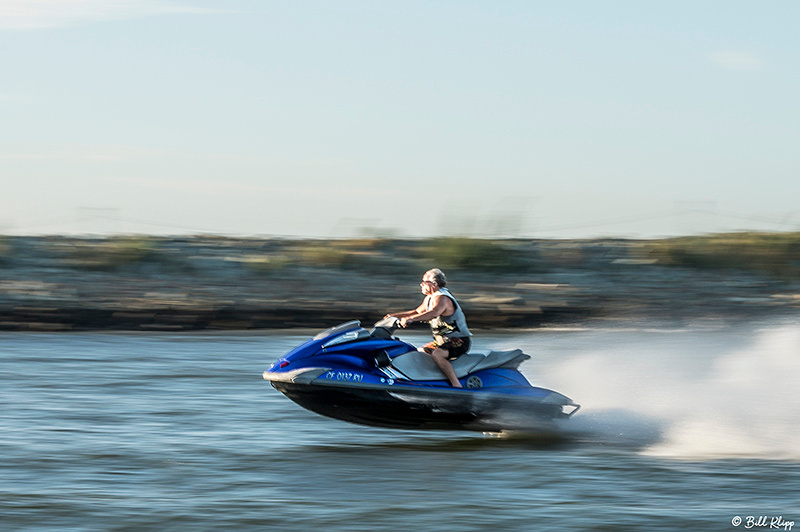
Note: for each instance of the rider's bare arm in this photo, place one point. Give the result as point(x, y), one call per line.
point(407, 313)
point(441, 305)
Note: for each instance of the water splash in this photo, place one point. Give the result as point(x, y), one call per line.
point(747, 407)
point(696, 395)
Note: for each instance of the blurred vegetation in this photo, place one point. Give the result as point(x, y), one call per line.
point(474, 254)
point(5, 251)
point(111, 254)
point(63, 282)
point(122, 253)
point(266, 264)
point(326, 254)
point(368, 254)
point(564, 255)
point(776, 254)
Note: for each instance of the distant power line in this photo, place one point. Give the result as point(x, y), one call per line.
point(151, 223)
point(84, 217)
point(784, 221)
point(787, 221)
point(610, 221)
point(751, 218)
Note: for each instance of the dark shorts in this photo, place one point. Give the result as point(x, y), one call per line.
point(455, 346)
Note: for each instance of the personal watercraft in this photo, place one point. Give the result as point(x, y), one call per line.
point(370, 377)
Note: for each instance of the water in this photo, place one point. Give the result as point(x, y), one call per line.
point(681, 428)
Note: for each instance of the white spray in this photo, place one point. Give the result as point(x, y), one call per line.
point(691, 394)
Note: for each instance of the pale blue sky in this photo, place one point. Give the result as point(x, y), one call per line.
point(515, 118)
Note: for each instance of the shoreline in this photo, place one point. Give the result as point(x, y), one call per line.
point(227, 284)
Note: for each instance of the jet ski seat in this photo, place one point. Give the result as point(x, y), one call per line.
point(419, 366)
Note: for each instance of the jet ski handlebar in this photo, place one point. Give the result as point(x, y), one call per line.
point(385, 328)
point(389, 323)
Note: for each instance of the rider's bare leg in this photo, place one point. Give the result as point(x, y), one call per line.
point(440, 356)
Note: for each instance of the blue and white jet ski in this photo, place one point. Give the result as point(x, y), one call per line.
point(369, 377)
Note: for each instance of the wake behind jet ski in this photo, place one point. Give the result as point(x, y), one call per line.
point(369, 377)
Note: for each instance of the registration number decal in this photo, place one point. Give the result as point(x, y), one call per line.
point(348, 376)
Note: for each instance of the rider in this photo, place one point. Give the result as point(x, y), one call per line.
point(451, 337)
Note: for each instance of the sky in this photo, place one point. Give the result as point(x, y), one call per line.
point(524, 119)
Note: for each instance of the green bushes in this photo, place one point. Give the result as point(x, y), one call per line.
point(5, 251)
point(473, 254)
point(326, 254)
point(772, 253)
point(775, 254)
point(397, 256)
point(111, 254)
point(369, 255)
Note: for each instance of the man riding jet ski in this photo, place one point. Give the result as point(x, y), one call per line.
point(372, 378)
point(451, 336)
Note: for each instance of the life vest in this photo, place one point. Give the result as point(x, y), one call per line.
point(453, 326)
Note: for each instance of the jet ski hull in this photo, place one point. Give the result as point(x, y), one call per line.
point(426, 408)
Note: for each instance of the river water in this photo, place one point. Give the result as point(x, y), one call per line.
point(681, 428)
